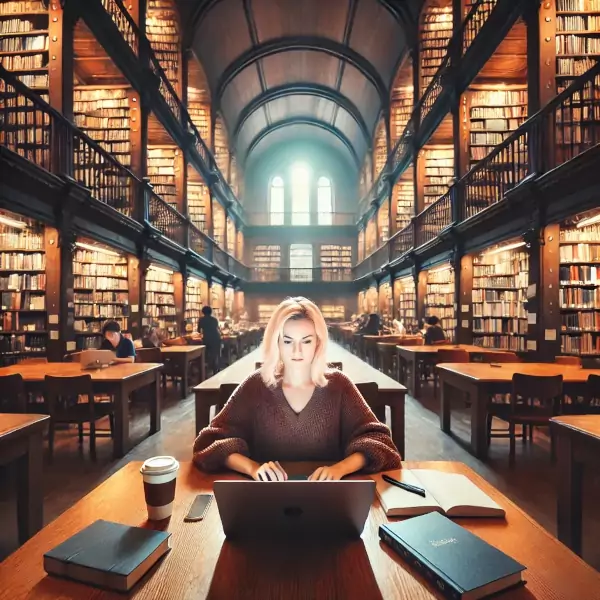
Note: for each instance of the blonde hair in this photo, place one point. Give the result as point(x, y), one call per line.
point(293, 308)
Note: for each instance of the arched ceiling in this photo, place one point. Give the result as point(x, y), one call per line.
point(283, 69)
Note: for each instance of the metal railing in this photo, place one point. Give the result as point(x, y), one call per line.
point(124, 22)
point(318, 274)
point(200, 243)
point(434, 89)
point(434, 219)
point(480, 12)
point(167, 219)
point(402, 242)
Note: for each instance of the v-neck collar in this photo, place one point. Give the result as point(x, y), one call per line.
point(289, 406)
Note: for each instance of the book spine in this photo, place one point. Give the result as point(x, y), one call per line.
point(442, 585)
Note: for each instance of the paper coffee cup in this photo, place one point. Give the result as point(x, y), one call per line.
point(159, 475)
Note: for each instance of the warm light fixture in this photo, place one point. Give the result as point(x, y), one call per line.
point(589, 221)
point(504, 248)
point(161, 270)
point(12, 222)
point(440, 269)
point(97, 249)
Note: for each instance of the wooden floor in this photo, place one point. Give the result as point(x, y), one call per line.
point(531, 484)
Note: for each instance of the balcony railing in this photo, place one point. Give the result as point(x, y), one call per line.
point(434, 90)
point(200, 243)
point(167, 219)
point(124, 22)
point(480, 12)
point(319, 219)
point(402, 242)
point(322, 274)
point(434, 219)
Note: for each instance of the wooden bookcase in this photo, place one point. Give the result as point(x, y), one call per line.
point(162, 166)
point(404, 198)
point(196, 297)
point(333, 312)
point(383, 222)
point(499, 296)
point(264, 313)
point(23, 313)
point(159, 301)
point(371, 236)
point(336, 261)
point(402, 106)
point(435, 33)
point(385, 303)
point(199, 110)
point(162, 29)
point(217, 300)
point(361, 246)
point(218, 223)
point(380, 149)
point(438, 172)
point(104, 114)
point(221, 146)
point(231, 236)
point(440, 298)
point(229, 302)
point(100, 292)
point(405, 300)
point(198, 198)
point(266, 259)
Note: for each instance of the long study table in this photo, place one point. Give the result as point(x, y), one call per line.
point(207, 392)
point(481, 381)
point(202, 564)
point(118, 381)
point(178, 360)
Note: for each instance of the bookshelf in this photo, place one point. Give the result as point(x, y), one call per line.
point(198, 198)
point(579, 276)
point(383, 222)
point(218, 223)
point(493, 115)
point(405, 297)
point(439, 172)
point(100, 292)
point(199, 111)
point(233, 175)
point(361, 245)
point(217, 300)
point(336, 261)
point(440, 300)
point(162, 29)
point(436, 31)
point(577, 39)
point(159, 300)
point(264, 313)
point(161, 171)
point(404, 197)
point(333, 312)
point(371, 237)
point(229, 300)
point(196, 297)
point(103, 113)
point(380, 149)
point(24, 42)
point(362, 302)
point(402, 106)
point(372, 299)
point(500, 280)
point(221, 146)
point(231, 236)
point(386, 306)
point(23, 316)
point(266, 259)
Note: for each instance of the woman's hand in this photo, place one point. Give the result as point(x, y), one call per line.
point(333, 473)
point(270, 471)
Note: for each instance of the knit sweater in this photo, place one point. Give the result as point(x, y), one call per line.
point(258, 422)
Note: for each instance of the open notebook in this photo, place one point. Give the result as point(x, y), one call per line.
point(449, 493)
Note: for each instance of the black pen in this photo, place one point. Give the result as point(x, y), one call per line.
point(405, 486)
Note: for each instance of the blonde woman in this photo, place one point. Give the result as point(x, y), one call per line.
point(295, 409)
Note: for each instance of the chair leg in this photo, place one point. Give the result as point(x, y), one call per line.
point(511, 433)
point(93, 440)
point(80, 428)
point(524, 432)
point(531, 433)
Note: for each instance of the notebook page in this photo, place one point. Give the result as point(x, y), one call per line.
point(397, 502)
point(458, 495)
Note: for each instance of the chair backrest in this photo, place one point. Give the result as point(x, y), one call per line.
point(440, 343)
point(34, 361)
point(63, 392)
point(414, 341)
point(452, 355)
point(178, 341)
point(370, 392)
point(148, 355)
point(568, 360)
point(331, 365)
point(499, 357)
point(547, 389)
point(12, 394)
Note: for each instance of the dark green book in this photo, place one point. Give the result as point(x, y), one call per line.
point(108, 555)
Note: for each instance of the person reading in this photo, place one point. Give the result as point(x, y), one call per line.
point(434, 332)
point(208, 326)
point(295, 409)
point(114, 340)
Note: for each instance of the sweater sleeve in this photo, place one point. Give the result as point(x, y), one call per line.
point(363, 432)
point(229, 432)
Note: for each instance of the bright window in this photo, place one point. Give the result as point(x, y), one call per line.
point(324, 201)
point(300, 195)
point(277, 201)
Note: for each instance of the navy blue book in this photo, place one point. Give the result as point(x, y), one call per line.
point(459, 564)
point(108, 555)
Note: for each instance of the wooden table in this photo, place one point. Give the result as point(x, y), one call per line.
point(179, 359)
point(22, 442)
point(207, 393)
point(412, 355)
point(480, 381)
point(578, 443)
point(202, 564)
point(118, 381)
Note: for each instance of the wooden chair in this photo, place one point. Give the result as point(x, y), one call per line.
point(13, 398)
point(62, 399)
point(386, 362)
point(568, 360)
point(148, 355)
point(370, 392)
point(448, 355)
point(534, 400)
point(499, 357)
point(591, 402)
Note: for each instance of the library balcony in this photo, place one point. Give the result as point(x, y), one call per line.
point(301, 275)
point(278, 219)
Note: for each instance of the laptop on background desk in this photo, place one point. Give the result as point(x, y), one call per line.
point(96, 359)
point(306, 509)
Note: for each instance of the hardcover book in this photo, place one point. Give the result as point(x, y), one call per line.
point(459, 564)
point(108, 555)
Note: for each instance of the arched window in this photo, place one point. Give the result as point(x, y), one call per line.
point(300, 195)
point(276, 208)
point(324, 201)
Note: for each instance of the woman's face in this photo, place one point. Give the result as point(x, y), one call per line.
point(298, 344)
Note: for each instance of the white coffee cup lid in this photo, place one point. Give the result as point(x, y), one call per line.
point(159, 465)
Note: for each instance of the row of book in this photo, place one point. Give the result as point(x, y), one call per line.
point(14, 321)
point(159, 311)
point(498, 112)
point(576, 44)
point(101, 297)
point(157, 298)
point(26, 344)
point(495, 124)
point(23, 282)
point(586, 343)
point(578, 297)
point(22, 301)
point(18, 62)
point(501, 342)
point(83, 326)
point(520, 280)
point(100, 283)
point(578, 274)
point(499, 309)
point(22, 6)
point(575, 234)
point(35, 81)
point(503, 266)
point(96, 270)
point(22, 262)
point(577, 5)
point(589, 252)
point(101, 311)
point(581, 320)
point(488, 295)
point(517, 326)
point(21, 241)
point(574, 66)
point(577, 23)
point(17, 26)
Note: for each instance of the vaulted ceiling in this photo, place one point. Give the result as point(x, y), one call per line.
point(279, 70)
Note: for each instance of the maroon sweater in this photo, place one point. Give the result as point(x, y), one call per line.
point(258, 422)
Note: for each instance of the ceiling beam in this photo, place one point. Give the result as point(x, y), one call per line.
point(303, 121)
point(302, 89)
point(309, 43)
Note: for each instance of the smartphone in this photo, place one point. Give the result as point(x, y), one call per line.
point(199, 507)
point(494, 365)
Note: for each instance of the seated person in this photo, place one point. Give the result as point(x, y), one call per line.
point(372, 326)
point(294, 409)
point(150, 337)
point(434, 332)
point(114, 340)
point(398, 327)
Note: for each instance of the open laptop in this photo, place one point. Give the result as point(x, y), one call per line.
point(96, 359)
point(258, 509)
